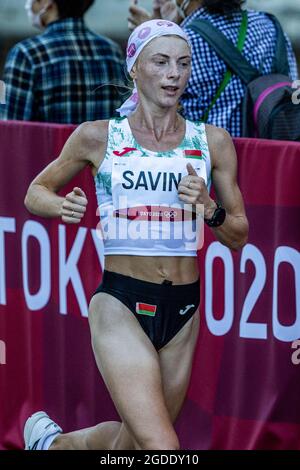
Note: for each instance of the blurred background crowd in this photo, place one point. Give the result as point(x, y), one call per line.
point(109, 17)
point(243, 75)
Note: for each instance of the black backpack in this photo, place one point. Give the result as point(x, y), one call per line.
point(269, 111)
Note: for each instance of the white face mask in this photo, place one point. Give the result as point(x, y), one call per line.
point(182, 8)
point(35, 18)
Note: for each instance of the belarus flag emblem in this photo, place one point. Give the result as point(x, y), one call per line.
point(193, 154)
point(145, 309)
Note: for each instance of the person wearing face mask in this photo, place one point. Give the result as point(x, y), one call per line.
point(35, 15)
point(201, 100)
point(44, 86)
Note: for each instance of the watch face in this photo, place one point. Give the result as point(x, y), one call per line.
point(218, 217)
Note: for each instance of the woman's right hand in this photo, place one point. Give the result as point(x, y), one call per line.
point(137, 15)
point(163, 9)
point(74, 206)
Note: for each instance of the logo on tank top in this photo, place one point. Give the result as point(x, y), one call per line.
point(194, 154)
point(157, 213)
point(125, 152)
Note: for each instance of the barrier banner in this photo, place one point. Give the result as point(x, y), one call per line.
point(245, 385)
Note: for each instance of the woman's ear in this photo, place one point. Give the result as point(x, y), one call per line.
point(133, 72)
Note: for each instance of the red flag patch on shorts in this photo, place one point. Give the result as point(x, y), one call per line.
point(145, 309)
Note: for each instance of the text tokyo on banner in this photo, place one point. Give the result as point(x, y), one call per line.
point(244, 390)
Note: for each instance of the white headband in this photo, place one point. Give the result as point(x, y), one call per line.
point(139, 38)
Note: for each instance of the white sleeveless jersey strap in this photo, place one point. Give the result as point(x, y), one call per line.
point(137, 193)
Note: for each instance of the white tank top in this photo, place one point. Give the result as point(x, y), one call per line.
point(136, 188)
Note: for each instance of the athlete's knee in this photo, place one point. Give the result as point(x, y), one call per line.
point(164, 443)
point(124, 441)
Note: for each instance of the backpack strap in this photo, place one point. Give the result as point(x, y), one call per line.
point(280, 62)
point(233, 58)
point(228, 74)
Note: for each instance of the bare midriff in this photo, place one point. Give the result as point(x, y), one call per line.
point(178, 269)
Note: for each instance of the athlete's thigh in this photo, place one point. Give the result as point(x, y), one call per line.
point(130, 368)
point(175, 363)
point(176, 359)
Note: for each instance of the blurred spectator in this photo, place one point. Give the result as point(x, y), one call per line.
point(63, 74)
point(208, 69)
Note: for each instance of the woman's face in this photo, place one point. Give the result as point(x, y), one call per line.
point(163, 70)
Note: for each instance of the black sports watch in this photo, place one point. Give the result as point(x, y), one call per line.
point(218, 216)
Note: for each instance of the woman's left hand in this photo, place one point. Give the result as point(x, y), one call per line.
point(168, 11)
point(193, 190)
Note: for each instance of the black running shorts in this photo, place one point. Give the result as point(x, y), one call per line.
point(161, 309)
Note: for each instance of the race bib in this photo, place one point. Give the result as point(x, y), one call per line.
point(150, 181)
